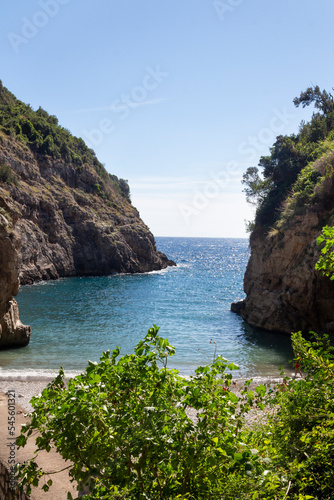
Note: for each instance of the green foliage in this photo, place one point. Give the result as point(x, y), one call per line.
point(325, 263)
point(42, 133)
point(122, 186)
point(279, 171)
point(256, 187)
point(312, 95)
point(303, 188)
point(302, 194)
point(125, 425)
point(302, 429)
point(7, 175)
point(99, 191)
point(277, 174)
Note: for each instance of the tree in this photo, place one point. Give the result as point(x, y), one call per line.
point(269, 184)
point(280, 170)
point(322, 100)
point(256, 188)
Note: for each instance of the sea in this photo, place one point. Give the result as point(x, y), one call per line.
point(74, 320)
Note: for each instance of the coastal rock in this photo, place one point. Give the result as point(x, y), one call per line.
point(67, 226)
point(12, 332)
point(284, 292)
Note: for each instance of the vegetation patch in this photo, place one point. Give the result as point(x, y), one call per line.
point(325, 263)
point(284, 181)
point(302, 195)
point(5, 214)
point(126, 426)
point(43, 134)
point(7, 176)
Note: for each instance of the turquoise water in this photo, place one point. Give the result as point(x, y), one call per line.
point(74, 319)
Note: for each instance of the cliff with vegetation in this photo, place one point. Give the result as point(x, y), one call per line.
point(293, 189)
point(72, 218)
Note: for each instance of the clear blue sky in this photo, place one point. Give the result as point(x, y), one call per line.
point(178, 96)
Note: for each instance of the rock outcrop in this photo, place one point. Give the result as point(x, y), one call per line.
point(68, 227)
point(284, 292)
point(12, 332)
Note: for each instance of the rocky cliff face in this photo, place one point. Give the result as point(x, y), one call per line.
point(284, 292)
point(12, 332)
point(67, 224)
point(61, 213)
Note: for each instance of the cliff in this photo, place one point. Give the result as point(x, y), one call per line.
point(12, 332)
point(72, 218)
point(284, 292)
point(67, 226)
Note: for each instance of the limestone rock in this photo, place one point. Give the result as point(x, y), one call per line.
point(61, 213)
point(66, 227)
point(284, 292)
point(12, 332)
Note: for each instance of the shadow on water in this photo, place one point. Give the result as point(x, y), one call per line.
point(266, 350)
point(264, 338)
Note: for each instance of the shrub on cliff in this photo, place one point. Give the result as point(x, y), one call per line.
point(325, 263)
point(42, 133)
point(7, 175)
point(277, 174)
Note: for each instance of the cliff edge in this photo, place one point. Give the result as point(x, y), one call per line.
point(284, 293)
point(12, 332)
point(294, 194)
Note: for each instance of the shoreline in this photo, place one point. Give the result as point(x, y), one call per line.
point(26, 387)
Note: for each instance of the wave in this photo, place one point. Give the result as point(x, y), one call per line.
point(32, 374)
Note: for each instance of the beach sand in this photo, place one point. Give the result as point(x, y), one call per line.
point(21, 391)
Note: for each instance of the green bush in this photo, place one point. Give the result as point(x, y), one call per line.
point(7, 175)
point(125, 425)
point(302, 429)
point(325, 263)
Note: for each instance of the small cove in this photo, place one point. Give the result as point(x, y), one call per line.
point(75, 319)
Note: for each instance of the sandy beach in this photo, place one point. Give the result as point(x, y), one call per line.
point(21, 391)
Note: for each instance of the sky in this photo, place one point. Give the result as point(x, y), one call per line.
point(179, 97)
